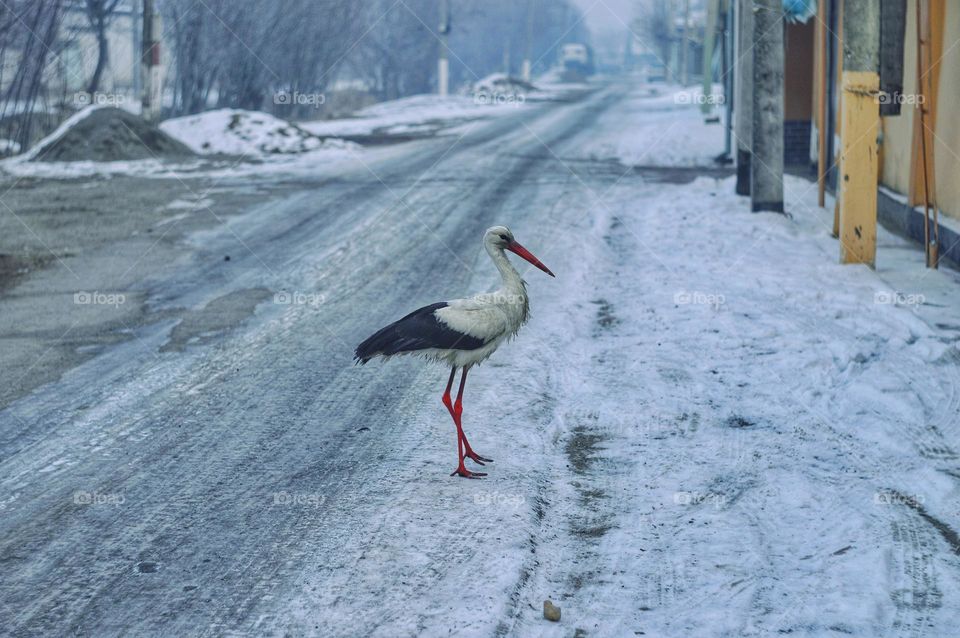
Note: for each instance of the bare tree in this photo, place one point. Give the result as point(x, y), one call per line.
point(194, 65)
point(28, 35)
point(99, 13)
point(654, 23)
point(397, 56)
point(331, 35)
point(242, 53)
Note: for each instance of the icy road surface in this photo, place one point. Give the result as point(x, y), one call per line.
point(708, 428)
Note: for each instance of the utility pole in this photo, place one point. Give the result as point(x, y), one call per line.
point(136, 32)
point(766, 163)
point(685, 44)
point(150, 63)
point(443, 64)
point(859, 127)
point(709, 35)
point(671, 36)
point(529, 52)
point(743, 102)
point(730, 98)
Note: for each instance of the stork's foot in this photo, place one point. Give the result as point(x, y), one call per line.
point(465, 473)
point(476, 458)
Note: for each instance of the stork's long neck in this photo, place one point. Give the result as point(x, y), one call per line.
point(508, 274)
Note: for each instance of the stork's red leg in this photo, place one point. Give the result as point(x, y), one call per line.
point(458, 409)
point(461, 470)
point(457, 414)
point(463, 447)
point(446, 395)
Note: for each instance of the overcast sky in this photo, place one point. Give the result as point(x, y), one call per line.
point(606, 15)
point(608, 21)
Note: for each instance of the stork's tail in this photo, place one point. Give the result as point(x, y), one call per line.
point(372, 346)
point(392, 339)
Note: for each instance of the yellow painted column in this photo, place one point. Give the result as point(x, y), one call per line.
point(858, 167)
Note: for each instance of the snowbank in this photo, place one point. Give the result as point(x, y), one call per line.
point(274, 146)
point(553, 75)
point(247, 133)
point(501, 88)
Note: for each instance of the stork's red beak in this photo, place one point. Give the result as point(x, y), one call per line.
point(516, 248)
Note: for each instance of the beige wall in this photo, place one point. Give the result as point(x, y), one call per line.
point(898, 131)
point(947, 139)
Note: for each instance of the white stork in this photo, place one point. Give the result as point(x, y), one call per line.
point(462, 332)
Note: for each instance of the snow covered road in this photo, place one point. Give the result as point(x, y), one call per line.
point(708, 428)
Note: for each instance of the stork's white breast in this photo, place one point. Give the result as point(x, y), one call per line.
point(477, 317)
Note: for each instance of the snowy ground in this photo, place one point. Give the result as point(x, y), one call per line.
point(708, 428)
point(755, 440)
point(415, 116)
point(715, 430)
point(659, 125)
point(422, 115)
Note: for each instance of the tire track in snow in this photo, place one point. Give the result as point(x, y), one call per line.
point(834, 472)
point(915, 592)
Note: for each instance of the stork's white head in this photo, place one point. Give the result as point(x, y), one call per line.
point(500, 238)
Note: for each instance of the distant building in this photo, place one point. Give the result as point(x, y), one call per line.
point(75, 65)
point(73, 57)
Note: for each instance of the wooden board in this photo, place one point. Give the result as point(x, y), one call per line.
point(859, 162)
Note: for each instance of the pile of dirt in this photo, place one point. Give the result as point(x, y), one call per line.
point(106, 134)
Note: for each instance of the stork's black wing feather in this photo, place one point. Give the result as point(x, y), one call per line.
point(419, 330)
